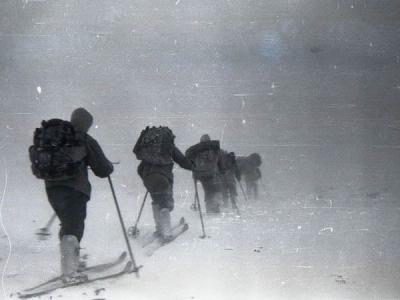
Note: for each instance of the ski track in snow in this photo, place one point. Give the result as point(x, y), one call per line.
point(4, 229)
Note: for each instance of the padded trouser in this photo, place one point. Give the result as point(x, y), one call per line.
point(229, 192)
point(162, 205)
point(70, 207)
point(163, 199)
point(212, 194)
point(252, 189)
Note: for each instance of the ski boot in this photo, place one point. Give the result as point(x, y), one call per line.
point(165, 224)
point(69, 248)
point(73, 278)
point(157, 220)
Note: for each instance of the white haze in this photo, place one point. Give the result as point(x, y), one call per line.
point(313, 86)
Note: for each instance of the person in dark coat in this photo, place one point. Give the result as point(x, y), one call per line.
point(229, 174)
point(249, 167)
point(206, 157)
point(69, 198)
point(158, 180)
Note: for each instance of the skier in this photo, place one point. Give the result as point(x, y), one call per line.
point(156, 149)
point(249, 167)
point(66, 181)
point(206, 157)
point(230, 173)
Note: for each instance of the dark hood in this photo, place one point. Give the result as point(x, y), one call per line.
point(255, 159)
point(205, 138)
point(81, 119)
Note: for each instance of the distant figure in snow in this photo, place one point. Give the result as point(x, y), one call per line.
point(229, 174)
point(156, 149)
point(206, 157)
point(249, 167)
point(61, 154)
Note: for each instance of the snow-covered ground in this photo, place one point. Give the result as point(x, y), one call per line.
point(336, 242)
point(313, 86)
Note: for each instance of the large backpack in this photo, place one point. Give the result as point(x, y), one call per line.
point(56, 153)
point(227, 161)
point(155, 145)
point(243, 164)
point(206, 164)
point(205, 156)
point(255, 160)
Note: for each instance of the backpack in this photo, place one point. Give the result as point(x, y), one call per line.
point(227, 161)
point(155, 145)
point(206, 164)
point(255, 160)
point(55, 153)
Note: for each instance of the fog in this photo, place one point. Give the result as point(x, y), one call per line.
point(313, 86)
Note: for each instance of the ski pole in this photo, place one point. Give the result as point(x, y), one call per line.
point(134, 231)
point(44, 231)
point(135, 268)
point(244, 194)
point(199, 207)
point(234, 204)
point(50, 222)
point(193, 206)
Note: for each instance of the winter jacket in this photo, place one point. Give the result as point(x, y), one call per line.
point(229, 168)
point(248, 169)
point(146, 169)
point(95, 158)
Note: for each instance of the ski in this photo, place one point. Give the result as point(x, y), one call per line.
point(58, 284)
point(88, 270)
point(158, 243)
point(153, 237)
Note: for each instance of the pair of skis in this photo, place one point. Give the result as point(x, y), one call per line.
point(100, 272)
point(94, 273)
point(154, 243)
